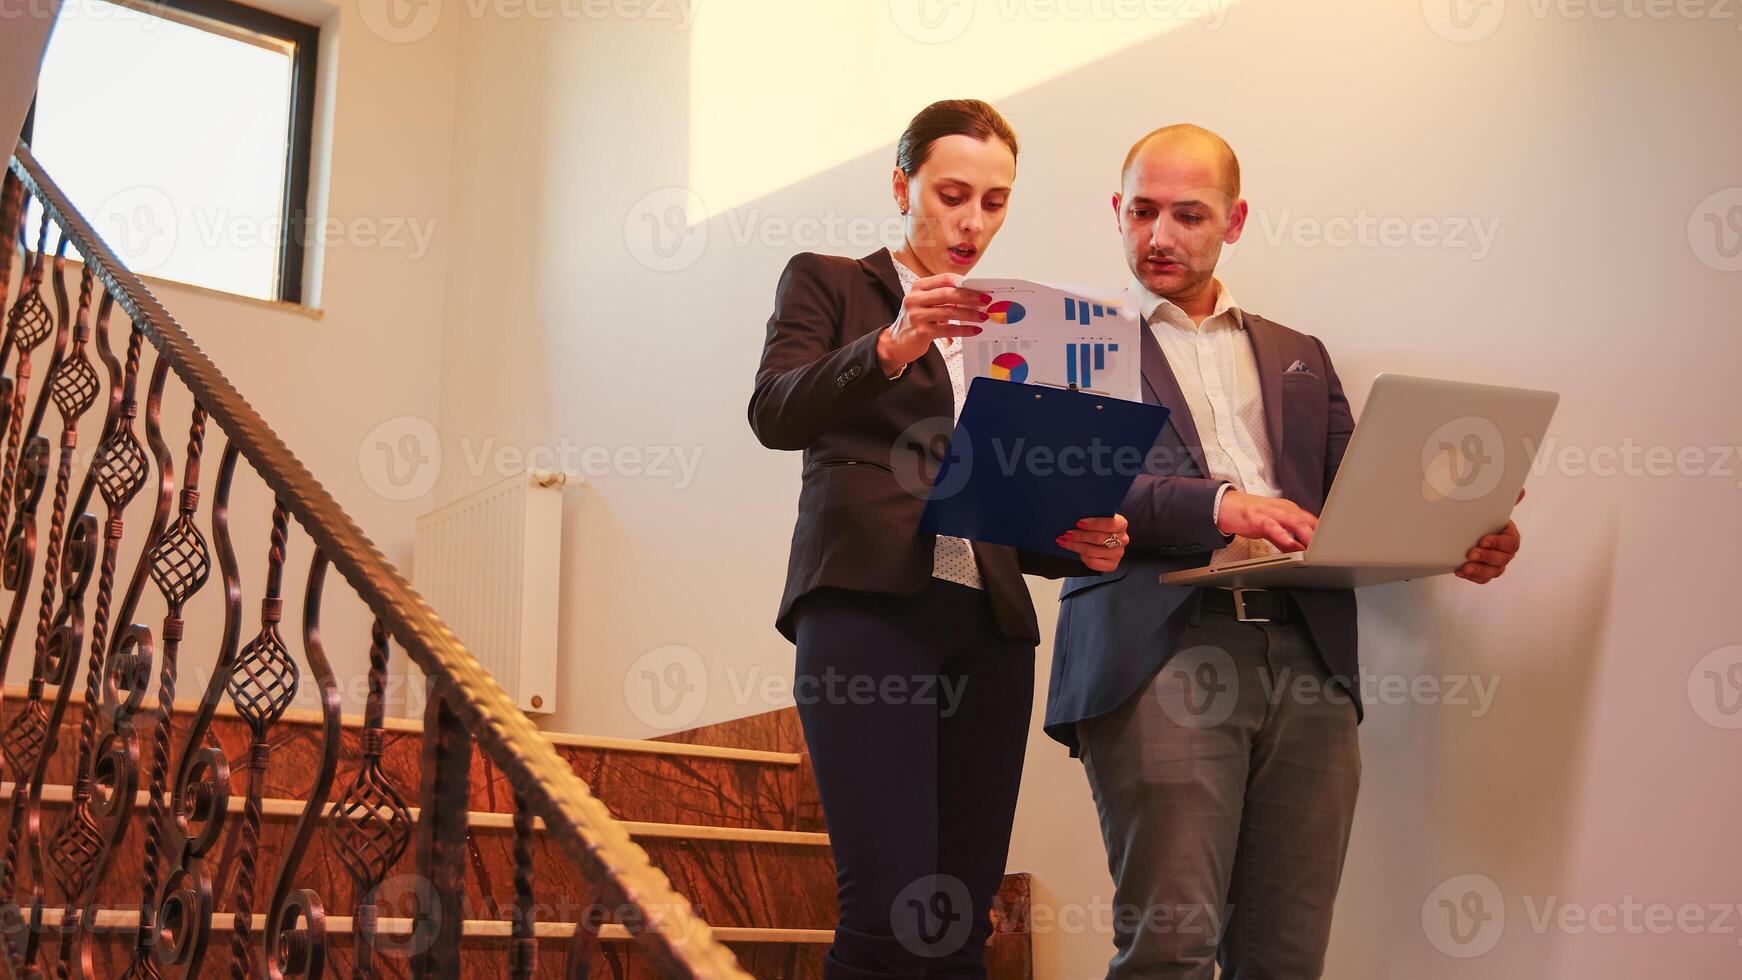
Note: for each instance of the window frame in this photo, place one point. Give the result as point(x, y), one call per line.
point(304, 42)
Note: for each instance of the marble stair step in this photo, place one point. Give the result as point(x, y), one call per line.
point(733, 876)
point(776, 954)
point(659, 781)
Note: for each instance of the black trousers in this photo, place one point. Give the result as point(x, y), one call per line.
point(915, 710)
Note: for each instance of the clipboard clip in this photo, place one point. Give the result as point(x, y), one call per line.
point(1072, 386)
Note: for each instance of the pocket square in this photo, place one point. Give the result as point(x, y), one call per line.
point(1299, 367)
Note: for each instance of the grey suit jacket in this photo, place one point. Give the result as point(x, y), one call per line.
point(1115, 631)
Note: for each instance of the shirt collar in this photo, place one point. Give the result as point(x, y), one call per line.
point(1225, 303)
point(907, 276)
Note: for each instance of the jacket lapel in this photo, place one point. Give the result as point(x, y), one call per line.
point(1163, 387)
point(1268, 356)
point(880, 265)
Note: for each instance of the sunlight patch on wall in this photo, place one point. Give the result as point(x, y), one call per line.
point(784, 89)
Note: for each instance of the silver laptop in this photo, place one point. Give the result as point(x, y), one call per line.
point(1432, 467)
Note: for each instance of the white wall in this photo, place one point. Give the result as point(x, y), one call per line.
point(324, 380)
point(1599, 776)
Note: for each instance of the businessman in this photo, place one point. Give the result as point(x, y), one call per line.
point(1218, 731)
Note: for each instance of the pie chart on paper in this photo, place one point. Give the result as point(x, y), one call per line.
point(1006, 311)
point(1009, 367)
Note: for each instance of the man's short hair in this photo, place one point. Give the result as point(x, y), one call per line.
point(1230, 162)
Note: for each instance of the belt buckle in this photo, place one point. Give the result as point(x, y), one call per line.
point(1240, 607)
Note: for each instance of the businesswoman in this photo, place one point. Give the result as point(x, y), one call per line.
point(915, 669)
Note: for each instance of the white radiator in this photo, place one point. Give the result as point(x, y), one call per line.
point(488, 565)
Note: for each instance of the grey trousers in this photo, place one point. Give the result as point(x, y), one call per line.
point(1226, 789)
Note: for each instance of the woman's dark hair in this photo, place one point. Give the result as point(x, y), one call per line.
point(951, 117)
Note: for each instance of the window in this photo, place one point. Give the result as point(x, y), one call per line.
point(181, 129)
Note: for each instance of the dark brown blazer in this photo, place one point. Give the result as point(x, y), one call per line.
point(871, 444)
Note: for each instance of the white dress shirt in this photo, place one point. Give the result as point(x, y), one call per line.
point(1217, 373)
point(953, 558)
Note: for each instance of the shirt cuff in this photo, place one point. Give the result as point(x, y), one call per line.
point(1216, 512)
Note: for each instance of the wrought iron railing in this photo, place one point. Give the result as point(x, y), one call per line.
point(50, 869)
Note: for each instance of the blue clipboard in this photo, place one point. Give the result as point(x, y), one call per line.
point(1026, 462)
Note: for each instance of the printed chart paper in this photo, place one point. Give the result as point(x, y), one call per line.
point(1063, 336)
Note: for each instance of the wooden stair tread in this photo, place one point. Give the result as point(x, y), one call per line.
point(113, 919)
point(301, 716)
point(286, 809)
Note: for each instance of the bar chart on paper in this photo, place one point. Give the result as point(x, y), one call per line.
point(1060, 336)
point(1088, 361)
